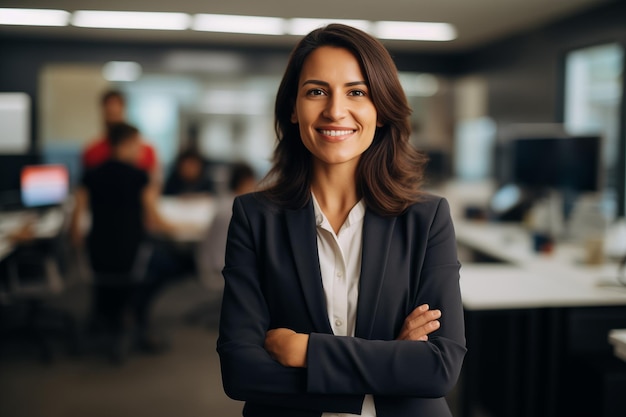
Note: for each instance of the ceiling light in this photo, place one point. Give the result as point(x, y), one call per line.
point(34, 17)
point(302, 26)
point(258, 25)
point(236, 102)
point(204, 62)
point(131, 20)
point(419, 85)
point(415, 31)
point(121, 71)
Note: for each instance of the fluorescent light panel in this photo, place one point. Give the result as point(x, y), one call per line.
point(131, 20)
point(34, 17)
point(417, 31)
point(302, 26)
point(258, 25)
point(121, 71)
point(420, 31)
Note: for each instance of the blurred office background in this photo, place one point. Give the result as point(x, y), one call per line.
point(493, 100)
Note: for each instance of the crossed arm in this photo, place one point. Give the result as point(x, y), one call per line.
point(290, 348)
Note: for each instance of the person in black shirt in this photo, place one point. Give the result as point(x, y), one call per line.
point(122, 201)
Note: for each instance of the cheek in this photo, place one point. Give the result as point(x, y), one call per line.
point(369, 118)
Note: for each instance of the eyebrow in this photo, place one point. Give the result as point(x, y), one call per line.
point(325, 84)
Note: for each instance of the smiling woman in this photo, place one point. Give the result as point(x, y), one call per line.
point(341, 280)
point(336, 116)
point(390, 167)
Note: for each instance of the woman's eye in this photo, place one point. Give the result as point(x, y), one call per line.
point(358, 93)
point(315, 92)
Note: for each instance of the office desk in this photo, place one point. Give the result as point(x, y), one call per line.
point(525, 279)
point(43, 225)
point(528, 318)
point(46, 225)
point(194, 213)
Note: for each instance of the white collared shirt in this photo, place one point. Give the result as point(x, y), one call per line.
point(340, 264)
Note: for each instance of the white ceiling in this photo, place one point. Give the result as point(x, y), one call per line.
point(477, 21)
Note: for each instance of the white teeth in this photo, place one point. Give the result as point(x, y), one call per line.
point(336, 132)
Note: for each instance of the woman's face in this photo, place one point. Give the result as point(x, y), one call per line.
point(334, 111)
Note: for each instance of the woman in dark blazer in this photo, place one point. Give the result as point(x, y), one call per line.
point(341, 279)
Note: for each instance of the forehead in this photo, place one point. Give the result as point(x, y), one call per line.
point(333, 63)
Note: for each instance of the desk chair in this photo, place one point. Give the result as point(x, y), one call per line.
point(32, 279)
point(210, 254)
point(111, 323)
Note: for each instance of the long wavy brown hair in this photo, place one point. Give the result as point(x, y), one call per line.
point(390, 172)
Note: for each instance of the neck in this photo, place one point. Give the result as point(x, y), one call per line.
point(334, 187)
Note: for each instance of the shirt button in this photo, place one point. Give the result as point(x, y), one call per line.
point(339, 274)
point(338, 323)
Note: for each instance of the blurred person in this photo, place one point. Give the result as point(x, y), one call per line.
point(113, 105)
point(341, 276)
point(122, 202)
point(211, 251)
point(189, 175)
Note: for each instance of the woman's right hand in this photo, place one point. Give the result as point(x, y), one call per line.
point(420, 323)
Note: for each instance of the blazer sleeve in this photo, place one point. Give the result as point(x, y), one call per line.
point(397, 367)
point(249, 373)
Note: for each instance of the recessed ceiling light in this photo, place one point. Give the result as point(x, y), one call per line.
point(121, 71)
point(419, 85)
point(302, 26)
point(34, 17)
point(416, 31)
point(258, 25)
point(131, 20)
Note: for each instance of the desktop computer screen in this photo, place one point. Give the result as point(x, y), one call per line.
point(10, 170)
point(563, 163)
point(44, 185)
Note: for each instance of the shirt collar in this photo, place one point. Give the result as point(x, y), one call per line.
point(356, 213)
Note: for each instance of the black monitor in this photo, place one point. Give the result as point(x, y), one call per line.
point(438, 166)
point(10, 177)
point(563, 163)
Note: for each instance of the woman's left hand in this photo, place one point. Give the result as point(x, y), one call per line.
point(287, 347)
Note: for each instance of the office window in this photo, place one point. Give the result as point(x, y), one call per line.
point(593, 93)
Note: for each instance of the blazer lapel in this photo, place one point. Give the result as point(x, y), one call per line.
point(301, 227)
point(377, 232)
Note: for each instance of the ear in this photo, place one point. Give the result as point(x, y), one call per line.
point(294, 117)
point(379, 123)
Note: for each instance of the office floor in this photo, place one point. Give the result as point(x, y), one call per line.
point(183, 382)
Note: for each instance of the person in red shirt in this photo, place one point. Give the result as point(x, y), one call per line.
point(99, 151)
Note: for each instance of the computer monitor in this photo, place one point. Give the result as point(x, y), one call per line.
point(44, 185)
point(10, 170)
point(562, 163)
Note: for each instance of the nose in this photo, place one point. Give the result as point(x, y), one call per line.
point(336, 107)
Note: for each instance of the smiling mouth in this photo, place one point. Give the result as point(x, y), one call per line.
point(333, 133)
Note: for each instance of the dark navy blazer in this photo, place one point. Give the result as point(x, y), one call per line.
point(273, 279)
